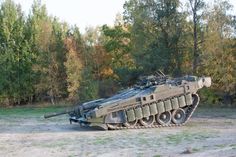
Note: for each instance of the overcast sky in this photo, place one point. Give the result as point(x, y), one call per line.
point(85, 13)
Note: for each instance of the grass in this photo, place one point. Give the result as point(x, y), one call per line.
point(59, 144)
point(102, 140)
point(143, 140)
point(29, 111)
point(221, 145)
point(215, 111)
point(186, 136)
point(233, 146)
point(174, 139)
point(195, 150)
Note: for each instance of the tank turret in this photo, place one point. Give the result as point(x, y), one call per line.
point(155, 101)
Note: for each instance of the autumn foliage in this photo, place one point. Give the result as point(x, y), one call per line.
point(44, 59)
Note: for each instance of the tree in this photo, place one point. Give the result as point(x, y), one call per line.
point(218, 57)
point(98, 71)
point(117, 45)
point(157, 29)
point(15, 56)
point(89, 87)
point(196, 6)
point(46, 36)
point(73, 66)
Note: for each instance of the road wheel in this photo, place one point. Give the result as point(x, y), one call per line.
point(164, 118)
point(178, 116)
point(130, 124)
point(147, 121)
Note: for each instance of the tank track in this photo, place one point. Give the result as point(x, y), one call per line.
point(189, 111)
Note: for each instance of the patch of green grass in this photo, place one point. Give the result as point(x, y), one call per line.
point(215, 111)
point(141, 134)
point(140, 155)
point(195, 150)
point(233, 146)
point(143, 140)
point(157, 156)
point(60, 144)
point(221, 145)
point(228, 122)
point(179, 137)
point(29, 111)
point(187, 136)
point(174, 139)
point(202, 136)
point(102, 140)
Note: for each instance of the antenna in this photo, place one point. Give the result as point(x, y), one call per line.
point(161, 73)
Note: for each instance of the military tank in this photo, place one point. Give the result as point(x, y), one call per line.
point(155, 101)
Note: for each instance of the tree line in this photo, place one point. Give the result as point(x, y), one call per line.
point(42, 57)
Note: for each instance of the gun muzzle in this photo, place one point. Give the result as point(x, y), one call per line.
point(206, 81)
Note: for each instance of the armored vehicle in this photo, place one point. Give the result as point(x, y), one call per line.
point(155, 101)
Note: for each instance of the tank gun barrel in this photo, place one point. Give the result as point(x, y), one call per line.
point(49, 115)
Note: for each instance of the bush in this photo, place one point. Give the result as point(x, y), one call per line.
point(209, 97)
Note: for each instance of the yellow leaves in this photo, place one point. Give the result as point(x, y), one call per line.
point(101, 63)
point(44, 34)
point(219, 62)
point(130, 63)
point(107, 72)
point(73, 67)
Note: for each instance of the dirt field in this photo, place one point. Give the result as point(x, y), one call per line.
point(24, 132)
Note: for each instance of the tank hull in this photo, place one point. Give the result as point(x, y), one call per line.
point(157, 105)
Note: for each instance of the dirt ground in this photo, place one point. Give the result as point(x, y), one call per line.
point(210, 132)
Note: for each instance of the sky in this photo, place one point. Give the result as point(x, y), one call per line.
point(85, 13)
